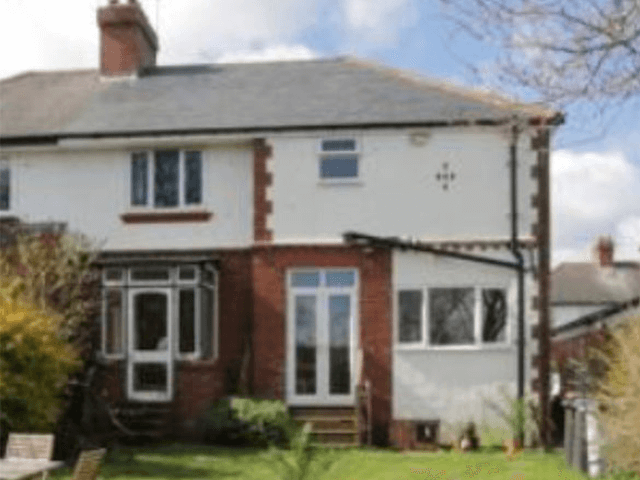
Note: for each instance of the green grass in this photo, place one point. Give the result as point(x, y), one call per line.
point(190, 462)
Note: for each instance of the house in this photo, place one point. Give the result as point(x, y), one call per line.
point(307, 229)
point(587, 299)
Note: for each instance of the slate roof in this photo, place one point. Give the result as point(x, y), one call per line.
point(228, 97)
point(590, 284)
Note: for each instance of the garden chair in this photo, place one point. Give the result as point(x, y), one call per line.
point(88, 464)
point(30, 445)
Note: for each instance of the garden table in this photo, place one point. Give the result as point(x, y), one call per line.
point(16, 468)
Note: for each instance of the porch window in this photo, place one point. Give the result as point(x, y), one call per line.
point(5, 185)
point(173, 179)
point(452, 316)
point(193, 319)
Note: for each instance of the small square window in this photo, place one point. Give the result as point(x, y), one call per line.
point(339, 159)
point(340, 279)
point(451, 316)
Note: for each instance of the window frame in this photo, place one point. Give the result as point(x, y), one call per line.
point(175, 285)
point(336, 154)
point(7, 164)
point(149, 204)
point(425, 323)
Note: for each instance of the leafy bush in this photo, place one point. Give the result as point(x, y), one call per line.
point(45, 297)
point(618, 393)
point(246, 421)
point(520, 414)
point(35, 363)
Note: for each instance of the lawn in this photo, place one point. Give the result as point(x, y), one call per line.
point(184, 461)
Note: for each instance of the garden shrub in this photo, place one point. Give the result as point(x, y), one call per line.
point(618, 393)
point(246, 421)
point(35, 364)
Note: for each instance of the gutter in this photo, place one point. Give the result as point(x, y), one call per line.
point(52, 138)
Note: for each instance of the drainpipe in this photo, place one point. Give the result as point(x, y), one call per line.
point(517, 253)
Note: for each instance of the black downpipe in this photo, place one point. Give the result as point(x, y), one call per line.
point(517, 253)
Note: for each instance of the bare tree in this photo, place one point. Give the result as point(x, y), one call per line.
point(566, 51)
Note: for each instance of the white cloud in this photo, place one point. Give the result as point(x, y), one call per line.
point(379, 21)
point(594, 194)
point(269, 54)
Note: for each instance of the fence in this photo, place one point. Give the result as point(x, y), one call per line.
point(583, 436)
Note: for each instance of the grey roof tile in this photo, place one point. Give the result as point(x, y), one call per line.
point(589, 283)
point(240, 96)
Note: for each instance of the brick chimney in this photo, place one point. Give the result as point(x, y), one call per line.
point(604, 249)
point(127, 39)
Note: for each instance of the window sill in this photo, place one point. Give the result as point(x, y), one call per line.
point(166, 216)
point(453, 348)
point(340, 182)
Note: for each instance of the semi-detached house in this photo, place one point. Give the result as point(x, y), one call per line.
point(313, 228)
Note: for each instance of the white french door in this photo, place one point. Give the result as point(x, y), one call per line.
point(150, 369)
point(322, 337)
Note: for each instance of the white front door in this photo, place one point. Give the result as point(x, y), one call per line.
point(322, 337)
point(150, 368)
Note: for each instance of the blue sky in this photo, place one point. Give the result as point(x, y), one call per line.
point(595, 175)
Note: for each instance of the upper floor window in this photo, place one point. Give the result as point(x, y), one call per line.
point(339, 159)
point(166, 178)
point(5, 185)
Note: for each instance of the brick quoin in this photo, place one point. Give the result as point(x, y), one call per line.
point(269, 269)
point(261, 180)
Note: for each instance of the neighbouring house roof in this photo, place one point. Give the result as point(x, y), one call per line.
point(297, 94)
point(591, 284)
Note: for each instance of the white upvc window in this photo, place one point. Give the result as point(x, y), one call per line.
point(5, 185)
point(194, 318)
point(166, 178)
point(452, 316)
point(339, 160)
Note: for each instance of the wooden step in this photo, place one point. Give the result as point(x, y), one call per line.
point(330, 426)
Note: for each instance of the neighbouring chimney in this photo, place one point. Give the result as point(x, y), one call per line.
point(604, 249)
point(127, 39)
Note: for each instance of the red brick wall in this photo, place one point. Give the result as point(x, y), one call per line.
point(127, 40)
point(269, 267)
point(198, 383)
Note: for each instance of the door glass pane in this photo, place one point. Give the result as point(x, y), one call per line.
point(150, 316)
point(340, 344)
point(113, 343)
point(166, 176)
point(187, 321)
point(306, 345)
point(341, 279)
point(305, 279)
point(451, 316)
point(193, 178)
point(150, 377)
point(207, 322)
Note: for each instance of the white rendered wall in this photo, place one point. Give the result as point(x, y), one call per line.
point(90, 190)
point(397, 192)
point(453, 384)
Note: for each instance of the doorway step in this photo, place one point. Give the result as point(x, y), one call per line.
point(330, 426)
point(146, 420)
